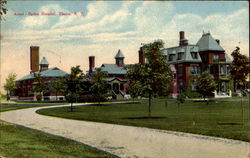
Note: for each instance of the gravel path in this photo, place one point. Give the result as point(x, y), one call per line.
point(126, 141)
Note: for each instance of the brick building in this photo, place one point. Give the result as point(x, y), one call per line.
point(190, 60)
point(118, 84)
point(49, 75)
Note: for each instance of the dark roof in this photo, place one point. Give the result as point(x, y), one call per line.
point(187, 54)
point(44, 61)
point(207, 42)
point(113, 69)
point(119, 54)
point(50, 73)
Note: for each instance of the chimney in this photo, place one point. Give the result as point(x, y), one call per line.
point(183, 41)
point(182, 35)
point(141, 56)
point(34, 59)
point(218, 41)
point(91, 63)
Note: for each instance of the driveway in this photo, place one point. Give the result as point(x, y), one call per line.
point(127, 141)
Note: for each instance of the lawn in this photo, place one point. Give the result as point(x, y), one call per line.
point(21, 142)
point(221, 119)
point(16, 141)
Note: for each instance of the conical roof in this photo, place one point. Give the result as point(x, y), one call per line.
point(119, 54)
point(207, 42)
point(44, 61)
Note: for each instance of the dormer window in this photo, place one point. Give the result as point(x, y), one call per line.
point(180, 55)
point(194, 55)
point(171, 57)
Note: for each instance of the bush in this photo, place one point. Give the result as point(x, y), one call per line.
point(181, 98)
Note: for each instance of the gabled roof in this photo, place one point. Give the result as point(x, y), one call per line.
point(207, 42)
point(115, 78)
point(50, 73)
point(44, 61)
point(113, 69)
point(119, 54)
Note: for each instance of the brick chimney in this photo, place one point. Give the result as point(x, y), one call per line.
point(34, 59)
point(141, 56)
point(182, 35)
point(91, 63)
point(183, 41)
point(218, 41)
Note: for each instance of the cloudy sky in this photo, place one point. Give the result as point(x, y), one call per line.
point(101, 28)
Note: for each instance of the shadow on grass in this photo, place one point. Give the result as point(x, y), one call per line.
point(145, 117)
point(229, 123)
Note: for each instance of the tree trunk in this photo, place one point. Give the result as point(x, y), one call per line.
point(71, 107)
point(56, 95)
point(149, 104)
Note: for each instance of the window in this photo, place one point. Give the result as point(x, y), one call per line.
point(180, 70)
point(194, 55)
point(223, 69)
point(194, 70)
point(180, 55)
point(171, 57)
point(216, 58)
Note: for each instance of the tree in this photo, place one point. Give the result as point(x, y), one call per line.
point(10, 84)
point(135, 89)
point(59, 87)
point(74, 85)
point(205, 84)
point(3, 9)
point(99, 87)
point(39, 86)
point(239, 68)
point(155, 76)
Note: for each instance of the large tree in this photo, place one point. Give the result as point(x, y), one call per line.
point(154, 77)
point(74, 85)
point(39, 86)
point(205, 84)
point(10, 84)
point(99, 87)
point(239, 68)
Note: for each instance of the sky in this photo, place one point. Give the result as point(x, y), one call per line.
point(100, 28)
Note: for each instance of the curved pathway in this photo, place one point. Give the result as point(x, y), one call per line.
point(126, 141)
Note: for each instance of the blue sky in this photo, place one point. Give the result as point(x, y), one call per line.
point(106, 27)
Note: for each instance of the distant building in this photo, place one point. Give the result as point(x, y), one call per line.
point(118, 84)
point(191, 60)
point(50, 75)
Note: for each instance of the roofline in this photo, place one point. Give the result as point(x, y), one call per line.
point(181, 46)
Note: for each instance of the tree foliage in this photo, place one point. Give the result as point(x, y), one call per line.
point(59, 87)
point(154, 77)
point(3, 9)
point(239, 68)
point(10, 84)
point(74, 85)
point(205, 84)
point(99, 87)
point(39, 86)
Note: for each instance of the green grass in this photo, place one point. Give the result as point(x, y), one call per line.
point(19, 142)
point(16, 106)
point(215, 119)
